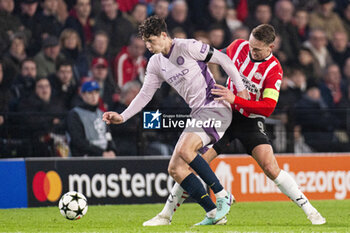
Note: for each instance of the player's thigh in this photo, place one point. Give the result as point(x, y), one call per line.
point(252, 133)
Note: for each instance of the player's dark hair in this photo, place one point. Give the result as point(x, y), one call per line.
point(152, 26)
point(265, 33)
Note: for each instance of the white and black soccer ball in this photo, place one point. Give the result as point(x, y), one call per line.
point(73, 205)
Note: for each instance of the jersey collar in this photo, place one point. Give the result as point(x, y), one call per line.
point(266, 59)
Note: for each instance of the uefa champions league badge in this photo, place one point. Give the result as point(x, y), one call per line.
point(152, 119)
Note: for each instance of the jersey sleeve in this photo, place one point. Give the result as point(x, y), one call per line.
point(197, 50)
point(266, 106)
point(231, 49)
point(151, 83)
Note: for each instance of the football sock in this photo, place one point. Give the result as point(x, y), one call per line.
point(221, 194)
point(204, 171)
point(195, 189)
point(289, 187)
point(176, 197)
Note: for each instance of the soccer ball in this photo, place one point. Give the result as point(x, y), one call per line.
point(73, 205)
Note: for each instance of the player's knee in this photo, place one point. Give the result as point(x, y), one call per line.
point(175, 173)
point(186, 154)
point(271, 170)
point(172, 170)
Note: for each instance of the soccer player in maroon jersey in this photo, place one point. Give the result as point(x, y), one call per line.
point(262, 74)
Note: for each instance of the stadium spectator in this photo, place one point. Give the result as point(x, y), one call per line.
point(98, 47)
point(130, 64)
point(333, 90)
point(64, 86)
point(317, 123)
point(216, 36)
point(231, 18)
point(282, 21)
point(178, 33)
point(262, 14)
point(72, 50)
point(137, 15)
point(89, 135)
point(161, 8)
point(112, 21)
point(216, 39)
point(346, 18)
point(127, 145)
point(5, 84)
point(24, 83)
point(41, 114)
point(346, 72)
point(301, 21)
point(9, 23)
point(290, 93)
point(178, 18)
point(47, 58)
point(107, 88)
point(16, 53)
point(29, 18)
point(49, 19)
point(241, 33)
point(127, 6)
point(217, 16)
point(339, 48)
point(317, 43)
point(324, 18)
point(79, 20)
point(308, 64)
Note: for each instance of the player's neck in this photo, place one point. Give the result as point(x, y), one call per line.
point(167, 47)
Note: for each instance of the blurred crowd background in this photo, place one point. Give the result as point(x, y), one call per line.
point(50, 48)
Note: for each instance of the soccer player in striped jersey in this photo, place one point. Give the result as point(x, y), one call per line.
point(182, 64)
point(262, 74)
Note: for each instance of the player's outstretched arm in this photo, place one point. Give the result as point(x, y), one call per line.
point(225, 62)
point(112, 118)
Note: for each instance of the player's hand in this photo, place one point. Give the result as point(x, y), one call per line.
point(112, 118)
point(244, 94)
point(224, 93)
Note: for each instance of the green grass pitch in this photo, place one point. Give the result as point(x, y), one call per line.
point(244, 217)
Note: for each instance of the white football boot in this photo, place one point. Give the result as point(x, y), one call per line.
point(316, 218)
point(158, 220)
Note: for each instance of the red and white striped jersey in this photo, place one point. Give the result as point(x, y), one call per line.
point(262, 79)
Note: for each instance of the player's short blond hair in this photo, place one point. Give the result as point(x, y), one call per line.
point(265, 33)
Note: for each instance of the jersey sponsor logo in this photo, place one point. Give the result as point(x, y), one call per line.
point(278, 84)
point(180, 60)
point(258, 76)
point(251, 87)
point(239, 62)
point(151, 120)
point(179, 76)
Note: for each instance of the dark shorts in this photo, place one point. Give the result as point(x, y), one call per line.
point(251, 132)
